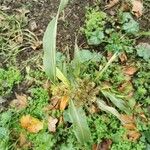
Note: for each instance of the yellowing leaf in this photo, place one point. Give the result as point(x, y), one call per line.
point(111, 3)
point(20, 102)
point(64, 102)
point(137, 8)
point(52, 124)
point(31, 124)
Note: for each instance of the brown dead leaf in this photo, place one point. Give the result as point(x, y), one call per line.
point(137, 8)
point(111, 3)
point(127, 88)
point(123, 57)
point(64, 102)
point(104, 145)
point(20, 102)
point(133, 135)
point(93, 109)
point(130, 70)
point(23, 142)
point(125, 6)
point(109, 55)
point(130, 126)
point(36, 45)
point(127, 119)
point(52, 124)
point(31, 124)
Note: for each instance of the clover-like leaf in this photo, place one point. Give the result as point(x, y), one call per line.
point(143, 50)
point(96, 38)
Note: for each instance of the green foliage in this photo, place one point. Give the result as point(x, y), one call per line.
point(129, 24)
point(143, 50)
point(49, 44)
point(118, 102)
point(39, 99)
point(8, 79)
point(42, 141)
point(80, 127)
point(94, 26)
point(141, 84)
point(118, 43)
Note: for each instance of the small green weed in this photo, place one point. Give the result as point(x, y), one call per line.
point(8, 79)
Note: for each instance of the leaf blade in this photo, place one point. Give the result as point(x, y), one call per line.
point(78, 118)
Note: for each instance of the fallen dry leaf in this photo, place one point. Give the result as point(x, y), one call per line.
point(125, 6)
point(133, 135)
point(104, 145)
point(64, 102)
point(54, 103)
point(123, 57)
point(127, 89)
point(130, 126)
point(36, 45)
point(111, 3)
point(109, 55)
point(130, 70)
point(31, 124)
point(93, 109)
point(23, 143)
point(127, 119)
point(52, 124)
point(137, 8)
point(20, 102)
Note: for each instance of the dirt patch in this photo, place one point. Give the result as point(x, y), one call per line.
point(42, 11)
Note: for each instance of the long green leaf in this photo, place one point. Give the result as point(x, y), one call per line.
point(61, 77)
point(49, 44)
point(103, 106)
point(122, 105)
point(78, 118)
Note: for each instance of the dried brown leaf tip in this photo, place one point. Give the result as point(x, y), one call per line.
point(20, 102)
point(111, 3)
point(52, 124)
point(137, 8)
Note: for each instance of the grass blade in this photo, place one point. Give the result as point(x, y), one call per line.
point(116, 101)
point(78, 118)
point(102, 105)
point(49, 44)
point(61, 77)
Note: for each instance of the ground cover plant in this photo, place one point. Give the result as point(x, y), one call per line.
point(96, 100)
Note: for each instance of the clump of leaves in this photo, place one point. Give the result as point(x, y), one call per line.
point(9, 78)
point(141, 83)
point(94, 26)
point(143, 51)
point(129, 25)
point(119, 43)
